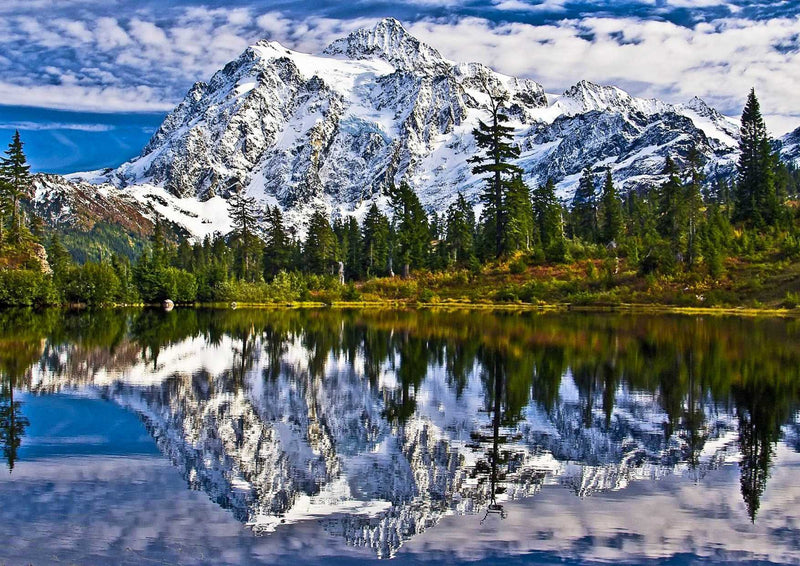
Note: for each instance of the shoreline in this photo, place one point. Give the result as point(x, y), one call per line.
point(625, 308)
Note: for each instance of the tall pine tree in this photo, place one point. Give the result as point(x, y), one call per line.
point(15, 181)
point(494, 140)
point(320, 249)
point(584, 209)
point(375, 234)
point(413, 234)
point(278, 247)
point(245, 215)
point(756, 201)
point(672, 209)
point(694, 205)
point(461, 232)
point(612, 211)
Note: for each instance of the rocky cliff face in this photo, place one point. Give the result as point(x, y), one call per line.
point(332, 131)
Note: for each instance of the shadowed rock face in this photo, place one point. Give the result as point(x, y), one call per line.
point(379, 107)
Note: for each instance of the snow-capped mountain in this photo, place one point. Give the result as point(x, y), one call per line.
point(790, 147)
point(379, 107)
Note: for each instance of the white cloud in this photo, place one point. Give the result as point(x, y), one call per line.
point(110, 35)
point(523, 6)
point(88, 98)
point(145, 63)
point(37, 126)
point(148, 34)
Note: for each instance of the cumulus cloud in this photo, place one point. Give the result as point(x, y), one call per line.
point(147, 60)
point(44, 126)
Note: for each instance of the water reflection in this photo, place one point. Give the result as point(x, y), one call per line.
point(380, 423)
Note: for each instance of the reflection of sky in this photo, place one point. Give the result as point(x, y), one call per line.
point(126, 57)
point(73, 497)
point(72, 426)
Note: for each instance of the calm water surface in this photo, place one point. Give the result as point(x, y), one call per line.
point(325, 437)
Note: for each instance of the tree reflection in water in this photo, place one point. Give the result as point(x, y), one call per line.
point(426, 412)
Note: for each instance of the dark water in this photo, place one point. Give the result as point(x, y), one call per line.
point(325, 437)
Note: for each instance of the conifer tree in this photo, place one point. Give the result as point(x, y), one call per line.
point(672, 209)
point(584, 209)
point(439, 256)
point(548, 213)
point(158, 246)
point(320, 249)
point(245, 217)
point(756, 199)
point(375, 235)
point(59, 259)
point(495, 141)
point(520, 225)
point(277, 250)
point(612, 211)
point(411, 226)
point(713, 239)
point(460, 232)
point(693, 204)
point(350, 242)
point(15, 180)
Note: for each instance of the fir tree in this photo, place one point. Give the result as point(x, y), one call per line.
point(756, 200)
point(495, 141)
point(612, 211)
point(548, 214)
point(460, 232)
point(58, 256)
point(520, 225)
point(245, 217)
point(320, 249)
point(411, 226)
point(375, 235)
point(693, 204)
point(278, 248)
point(584, 209)
point(641, 228)
point(712, 238)
point(16, 181)
point(672, 209)
point(158, 246)
point(349, 236)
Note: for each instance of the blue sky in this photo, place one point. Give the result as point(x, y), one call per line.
point(88, 81)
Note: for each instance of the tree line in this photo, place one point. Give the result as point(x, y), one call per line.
point(688, 223)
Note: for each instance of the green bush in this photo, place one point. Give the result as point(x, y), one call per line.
point(557, 252)
point(508, 294)
point(179, 285)
point(91, 283)
point(427, 296)
point(351, 293)
point(518, 266)
point(792, 300)
point(22, 288)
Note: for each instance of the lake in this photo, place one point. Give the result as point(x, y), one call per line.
point(344, 436)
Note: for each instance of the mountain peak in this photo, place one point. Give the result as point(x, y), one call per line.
point(390, 41)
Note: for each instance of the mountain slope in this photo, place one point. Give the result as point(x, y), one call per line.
point(378, 107)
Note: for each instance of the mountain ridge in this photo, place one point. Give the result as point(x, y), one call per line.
point(379, 107)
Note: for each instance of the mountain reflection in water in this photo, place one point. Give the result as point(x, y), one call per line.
point(380, 423)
